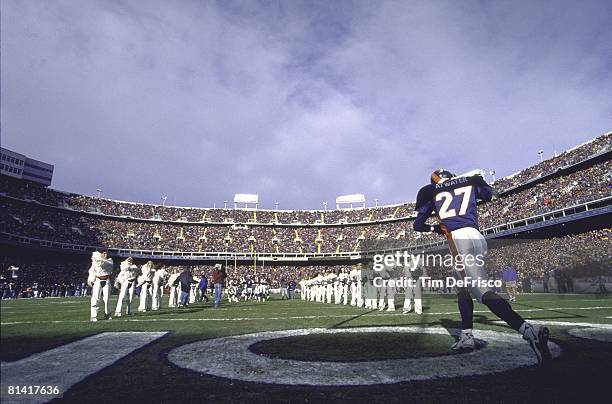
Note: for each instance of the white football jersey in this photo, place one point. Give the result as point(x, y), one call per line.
point(100, 266)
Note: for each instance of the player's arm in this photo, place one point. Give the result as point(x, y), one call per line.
point(91, 277)
point(484, 191)
point(425, 207)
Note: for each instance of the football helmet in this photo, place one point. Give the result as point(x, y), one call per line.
point(441, 175)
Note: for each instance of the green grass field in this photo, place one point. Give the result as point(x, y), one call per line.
point(29, 326)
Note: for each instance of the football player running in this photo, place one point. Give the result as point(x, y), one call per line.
point(453, 201)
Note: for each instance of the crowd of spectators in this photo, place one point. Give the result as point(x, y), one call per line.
point(586, 255)
point(598, 145)
point(52, 224)
point(581, 186)
point(83, 203)
point(30, 219)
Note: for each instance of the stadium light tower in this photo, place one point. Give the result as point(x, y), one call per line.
point(325, 205)
point(224, 204)
point(376, 202)
point(540, 153)
point(164, 197)
point(492, 173)
point(276, 205)
point(99, 192)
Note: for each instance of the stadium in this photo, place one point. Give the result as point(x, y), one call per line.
point(476, 288)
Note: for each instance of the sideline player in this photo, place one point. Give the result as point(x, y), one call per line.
point(356, 286)
point(158, 288)
point(144, 281)
point(99, 279)
point(453, 200)
point(174, 289)
point(126, 283)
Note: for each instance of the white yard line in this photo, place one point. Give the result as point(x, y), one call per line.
point(68, 364)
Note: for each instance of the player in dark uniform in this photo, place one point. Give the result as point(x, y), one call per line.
point(453, 201)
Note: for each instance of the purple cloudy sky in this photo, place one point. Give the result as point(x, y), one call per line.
point(297, 101)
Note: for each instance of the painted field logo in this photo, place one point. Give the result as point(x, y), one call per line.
point(230, 357)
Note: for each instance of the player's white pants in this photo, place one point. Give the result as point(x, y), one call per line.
point(357, 294)
point(337, 292)
point(390, 293)
point(101, 290)
point(329, 291)
point(353, 294)
point(469, 242)
point(344, 294)
point(192, 295)
point(371, 295)
point(126, 293)
point(157, 297)
point(144, 297)
point(172, 298)
point(413, 293)
point(382, 292)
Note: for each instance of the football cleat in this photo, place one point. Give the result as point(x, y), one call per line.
point(117, 314)
point(93, 319)
point(465, 343)
point(537, 336)
point(440, 176)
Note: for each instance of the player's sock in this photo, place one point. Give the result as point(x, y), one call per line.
point(466, 308)
point(502, 309)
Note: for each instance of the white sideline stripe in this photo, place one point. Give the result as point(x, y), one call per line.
point(68, 364)
point(292, 317)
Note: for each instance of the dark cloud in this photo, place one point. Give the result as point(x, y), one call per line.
point(297, 101)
